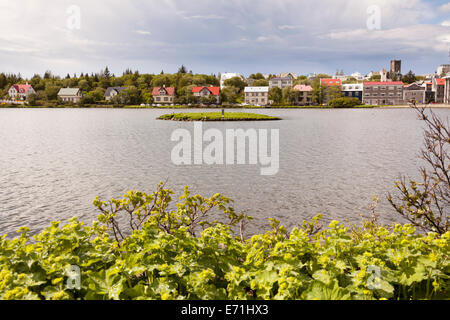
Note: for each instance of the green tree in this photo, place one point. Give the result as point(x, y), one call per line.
point(52, 91)
point(276, 95)
point(375, 77)
point(409, 78)
point(257, 76)
point(333, 92)
point(236, 82)
point(261, 83)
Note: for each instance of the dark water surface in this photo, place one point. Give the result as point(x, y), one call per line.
point(53, 163)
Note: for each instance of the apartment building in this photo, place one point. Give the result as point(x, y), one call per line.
point(383, 93)
point(281, 82)
point(438, 87)
point(447, 90)
point(257, 96)
point(353, 90)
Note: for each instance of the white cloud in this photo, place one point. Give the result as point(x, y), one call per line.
point(446, 23)
point(289, 27)
point(143, 32)
point(445, 8)
point(254, 36)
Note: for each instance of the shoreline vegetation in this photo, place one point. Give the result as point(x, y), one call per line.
point(181, 255)
point(443, 106)
point(217, 116)
point(189, 107)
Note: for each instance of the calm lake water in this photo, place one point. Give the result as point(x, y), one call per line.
point(53, 163)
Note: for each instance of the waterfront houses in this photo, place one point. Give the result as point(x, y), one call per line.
point(304, 98)
point(383, 93)
point(111, 92)
point(20, 91)
point(257, 96)
point(72, 95)
point(207, 92)
point(438, 87)
point(353, 90)
point(414, 93)
point(281, 82)
point(163, 95)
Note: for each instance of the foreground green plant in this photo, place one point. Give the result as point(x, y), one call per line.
point(183, 253)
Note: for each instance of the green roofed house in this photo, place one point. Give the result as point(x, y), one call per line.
point(73, 95)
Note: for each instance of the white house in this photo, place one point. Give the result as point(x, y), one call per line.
point(111, 92)
point(20, 91)
point(447, 90)
point(70, 95)
point(358, 76)
point(227, 76)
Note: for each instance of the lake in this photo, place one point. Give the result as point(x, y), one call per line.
point(54, 162)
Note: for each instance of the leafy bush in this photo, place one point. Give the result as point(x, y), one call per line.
point(344, 102)
point(182, 253)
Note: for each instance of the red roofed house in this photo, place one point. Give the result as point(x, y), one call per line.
point(438, 88)
point(328, 83)
point(206, 92)
point(20, 91)
point(383, 93)
point(163, 95)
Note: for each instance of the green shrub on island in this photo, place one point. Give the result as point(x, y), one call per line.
point(180, 252)
point(217, 116)
point(344, 102)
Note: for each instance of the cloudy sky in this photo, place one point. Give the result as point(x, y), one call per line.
point(211, 36)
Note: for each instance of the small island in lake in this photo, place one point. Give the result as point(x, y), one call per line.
point(217, 116)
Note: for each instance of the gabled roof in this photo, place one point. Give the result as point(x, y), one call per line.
point(169, 91)
point(68, 91)
point(22, 88)
point(110, 89)
point(214, 90)
point(330, 82)
point(289, 78)
point(414, 86)
point(384, 83)
point(256, 89)
point(303, 88)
